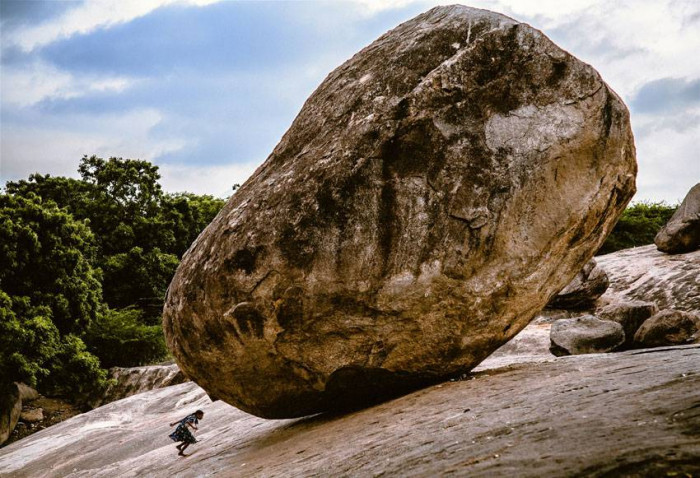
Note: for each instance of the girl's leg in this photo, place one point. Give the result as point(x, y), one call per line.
point(182, 450)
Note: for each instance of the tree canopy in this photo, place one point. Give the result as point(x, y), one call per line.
point(84, 266)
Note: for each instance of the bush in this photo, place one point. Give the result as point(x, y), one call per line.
point(46, 255)
point(28, 341)
point(74, 372)
point(638, 226)
point(119, 338)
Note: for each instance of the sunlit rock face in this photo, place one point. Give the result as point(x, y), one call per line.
point(432, 195)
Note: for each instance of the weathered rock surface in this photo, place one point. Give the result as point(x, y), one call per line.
point(10, 408)
point(634, 413)
point(585, 335)
point(669, 327)
point(33, 415)
point(682, 232)
point(582, 292)
point(643, 273)
point(630, 315)
point(27, 393)
point(132, 380)
point(433, 194)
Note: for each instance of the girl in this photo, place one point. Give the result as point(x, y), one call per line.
point(182, 432)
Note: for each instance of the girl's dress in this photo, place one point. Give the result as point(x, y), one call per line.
point(182, 432)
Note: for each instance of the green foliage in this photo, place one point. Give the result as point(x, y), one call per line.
point(46, 255)
point(638, 226)
point(74, 372)
point(137, 274)
point(132, 220)
point(71, 247)
point(28, 340)
point(187, 215)
point(119, 338)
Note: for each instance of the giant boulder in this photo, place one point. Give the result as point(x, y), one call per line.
point(432, 195)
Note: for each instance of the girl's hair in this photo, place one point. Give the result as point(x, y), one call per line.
point(199, 412)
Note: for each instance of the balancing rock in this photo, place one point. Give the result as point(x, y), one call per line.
point(434, 192)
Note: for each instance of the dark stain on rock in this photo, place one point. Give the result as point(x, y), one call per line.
point(607, 114)
point(297, 242)
point(244, 259)
point(248, 319)
point(558, 73)
point(290, 312)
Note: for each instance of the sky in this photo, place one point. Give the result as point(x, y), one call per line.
point(205, 89)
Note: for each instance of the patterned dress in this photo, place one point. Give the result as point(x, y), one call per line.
point(182, 432)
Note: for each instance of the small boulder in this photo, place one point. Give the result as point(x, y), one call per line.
point(682, 232)
point(668, 327)
point(585, 335)
point(10, 409)
point(589, 284)
point(631, 315)
point(27, 393)
point(32, 416)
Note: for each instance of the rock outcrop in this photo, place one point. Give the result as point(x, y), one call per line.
point(669, 327)
point(132, 380)
point(10, 408)
point(682, 232)
point(643, 273)
point(629, 414)
point(27, 393)
point(582, 292)
point(432, 195)
point(585, 335)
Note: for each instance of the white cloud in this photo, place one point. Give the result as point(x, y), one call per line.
point(666, 153)
point(199, 179)
point(90, 16)
point(57, 148)
point(27, 85)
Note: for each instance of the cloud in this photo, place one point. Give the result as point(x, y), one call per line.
point(216, 180)
point(667, 156)
point(32, 83)
point(86, 17)
point(56, 146)
point(206, 92)
point(666, 95)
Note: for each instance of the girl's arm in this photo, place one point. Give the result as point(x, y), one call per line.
point(191, 425)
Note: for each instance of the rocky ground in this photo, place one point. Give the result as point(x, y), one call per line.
point(634, 413)
point(53, 411)
point(644, 273)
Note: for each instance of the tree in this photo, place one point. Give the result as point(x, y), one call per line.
point(119, 338)
point(137, 274)
point(46, 256)
point(84, 266)
point(49, 293)
point(28, 341)
point(187, 215)
point(132, 220)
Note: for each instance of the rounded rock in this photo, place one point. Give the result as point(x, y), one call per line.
point(432, 195)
